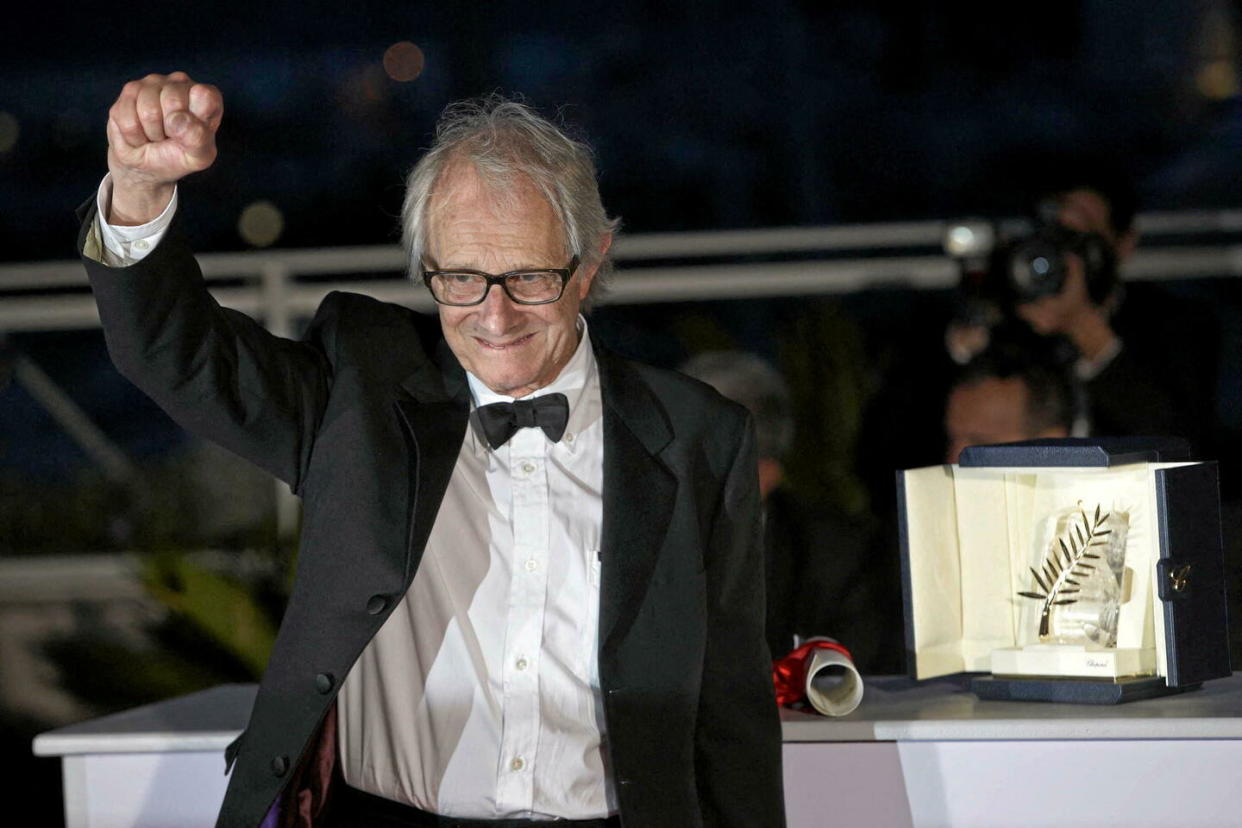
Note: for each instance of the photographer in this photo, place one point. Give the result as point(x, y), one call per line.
point(1146, 361)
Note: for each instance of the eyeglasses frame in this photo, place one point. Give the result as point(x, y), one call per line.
point(566, 273)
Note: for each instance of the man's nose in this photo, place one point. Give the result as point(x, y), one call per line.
point(498, 312)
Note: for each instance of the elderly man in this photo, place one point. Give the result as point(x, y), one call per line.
point(530, 587)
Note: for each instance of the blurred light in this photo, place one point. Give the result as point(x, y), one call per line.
point(261, 223)
point(9, 130)
point(1217, 80)
point(967, 239)
point(403, 61)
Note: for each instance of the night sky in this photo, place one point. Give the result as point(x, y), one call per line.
point(704, 115)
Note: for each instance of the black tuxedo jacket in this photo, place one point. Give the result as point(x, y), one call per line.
point(363, 418)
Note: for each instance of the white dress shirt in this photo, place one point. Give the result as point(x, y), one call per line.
point(479, 697)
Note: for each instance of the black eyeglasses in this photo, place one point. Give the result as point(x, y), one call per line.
point(525, 287)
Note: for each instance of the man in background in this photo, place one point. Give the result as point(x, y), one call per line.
point(1147, 359)
point(827, 574)
point(1007, 394)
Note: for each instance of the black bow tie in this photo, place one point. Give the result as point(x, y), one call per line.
point(500, 420)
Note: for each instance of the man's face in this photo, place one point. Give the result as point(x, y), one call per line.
point(1086, 211)
point(513, 349)
point(990, 411)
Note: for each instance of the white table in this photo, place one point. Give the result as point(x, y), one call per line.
point(912, 755)
point(932, 754)
point(156, 766)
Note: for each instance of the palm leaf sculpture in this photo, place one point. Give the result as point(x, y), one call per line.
point(1066, 562)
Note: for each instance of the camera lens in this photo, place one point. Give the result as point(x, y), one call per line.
point(1036, 268)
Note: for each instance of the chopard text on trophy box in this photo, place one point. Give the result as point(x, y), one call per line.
point(1086, 570)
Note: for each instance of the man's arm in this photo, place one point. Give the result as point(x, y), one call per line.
point(737, 734)
point(215, 371)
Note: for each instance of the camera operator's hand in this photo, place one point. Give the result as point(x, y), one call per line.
point(160, 129)
point(1072, 314)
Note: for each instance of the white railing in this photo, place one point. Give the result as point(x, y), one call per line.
point(55, 295)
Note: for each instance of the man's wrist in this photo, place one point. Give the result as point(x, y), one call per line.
point(133, 205)
point(124, 245)
point(1092, 335)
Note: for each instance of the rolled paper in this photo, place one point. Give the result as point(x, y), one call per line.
point(819, 671)
point(833, 686)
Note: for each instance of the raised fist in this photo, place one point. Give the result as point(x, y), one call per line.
point(161, 129)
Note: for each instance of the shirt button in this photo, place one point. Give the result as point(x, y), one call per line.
point(569, 438)
point(517, 764)
point(528, 468)
point(141, 244)
point(531, 564)
point(520, 664)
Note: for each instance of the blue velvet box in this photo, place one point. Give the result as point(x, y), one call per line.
point(1082, 570)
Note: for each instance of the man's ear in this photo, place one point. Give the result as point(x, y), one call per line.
point(588, 277)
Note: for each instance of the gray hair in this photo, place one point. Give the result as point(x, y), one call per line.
point(747, 379)
point(508, 143)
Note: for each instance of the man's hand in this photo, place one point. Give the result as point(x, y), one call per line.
point(1072, 313)
point(161, 129)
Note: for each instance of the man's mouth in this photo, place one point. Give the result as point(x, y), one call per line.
point(503, 346)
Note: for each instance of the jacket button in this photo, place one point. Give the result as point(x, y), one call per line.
point(324, 682)
point(377, 604)
point(280, 765)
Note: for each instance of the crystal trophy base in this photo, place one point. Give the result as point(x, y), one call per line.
point(1073, 661)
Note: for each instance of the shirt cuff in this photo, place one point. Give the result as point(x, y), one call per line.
point(123, 246)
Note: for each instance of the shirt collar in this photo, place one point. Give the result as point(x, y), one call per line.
point(573, 381)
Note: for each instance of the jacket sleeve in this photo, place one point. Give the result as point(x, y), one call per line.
point(215, 371)
point(737, 734)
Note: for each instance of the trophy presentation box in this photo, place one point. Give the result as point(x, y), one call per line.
point(1076, 570)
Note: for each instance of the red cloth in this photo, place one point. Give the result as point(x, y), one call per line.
point(789, 673)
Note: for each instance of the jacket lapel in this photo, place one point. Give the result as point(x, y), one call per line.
point(434, 417)
point(639, 489)
point(639, 493)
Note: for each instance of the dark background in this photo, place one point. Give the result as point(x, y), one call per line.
point(705, 115)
